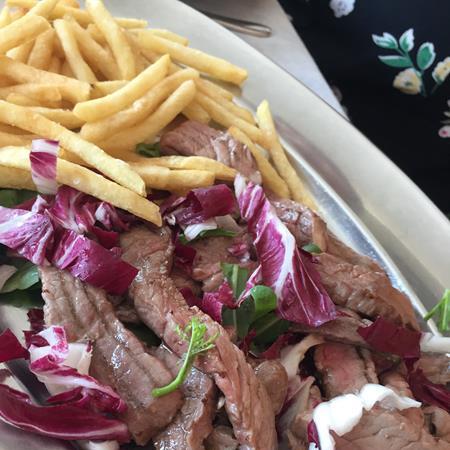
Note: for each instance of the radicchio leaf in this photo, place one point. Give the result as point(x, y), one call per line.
point(213, 302)
point(283, 267)
point(65, 421)
point(313, 435)
point(26, 232)
point(199, 205)
point(43, 157)
point(428, 392)
point(10, 347)
point(90, 262)
point(386, 336)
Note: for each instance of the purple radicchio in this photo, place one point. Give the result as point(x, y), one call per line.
point(43, 157)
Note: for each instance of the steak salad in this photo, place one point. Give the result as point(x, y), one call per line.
point(266, 330)
point(182, 290)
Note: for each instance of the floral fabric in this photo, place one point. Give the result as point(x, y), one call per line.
point(390, 62)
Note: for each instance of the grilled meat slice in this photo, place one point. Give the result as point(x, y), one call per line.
point(118, 359)
point(162, 308)
point(193, 423)
point(197, 139)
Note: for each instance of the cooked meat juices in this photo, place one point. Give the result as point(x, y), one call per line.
point(161, 307)
point(119, 359)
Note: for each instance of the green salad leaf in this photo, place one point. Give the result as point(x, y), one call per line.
point(207, 233)
point(442, 310)
point(149, 150)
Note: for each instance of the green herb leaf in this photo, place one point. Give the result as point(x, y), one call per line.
point(442, 308)
point(25, 277)
point(30, 298)
point(13, 197)
point(195, 334)
point(269, 327)
point(207, 233)
point(312, 248)
point(149, 150)
point(237, 277)
point(240, 318)
point(425, 55)
point(395, 61)
point(265, 301)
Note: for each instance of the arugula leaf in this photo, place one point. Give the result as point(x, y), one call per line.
point(25, 277)
point(442, 308)
point(269, 327)
point(237, 277)
point(30, 298)
point(197, 344)
point(240, 318)
point(149, 150)
point(13, 197)
point(265, 300)
point(312, 248)
point(207, 233)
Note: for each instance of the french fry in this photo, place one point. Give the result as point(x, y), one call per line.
point(296, 187)
point(22, 52)
point(98, 58)
point(166, 34)
point(81, 16)
point(87, 181)
point(138, 110)
point(64, 117)
point(66, 70)
point(11, 178)
point(21, 31)
point(71, 89)
point(55, 65)
point(194, 111)
point(115, 36)
point(150, 127)
point(99, 108)
point(209, 86)
point(42, 8)
point(220, 171)
point(41, 53)
point(42, 92)
point(234, 109)
point(102, 88)
point(224, 117)
point(270, 177)
point(5, 81)
point(5, 128)
point(14, 139)
point(5, 18)
point(173, 180)
point(22, 100)
point(96, 34)
point(72, 53)
point(71, 3)
point(37, 124)
point(213, 66)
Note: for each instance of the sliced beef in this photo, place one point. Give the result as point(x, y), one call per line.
point(126, 313)
point(342, 369)
point(273, 376)
point(182, 280)
point(439, 422)
point(162, 308)
point(436, 367)
point(384, 429)
point(221, 439)
point(193, 423)
point(197, 139)
point(343, 329)
point(118, 359)
point(352, 280)
point(211, 252)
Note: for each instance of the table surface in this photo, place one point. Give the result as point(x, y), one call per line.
point(284, 46)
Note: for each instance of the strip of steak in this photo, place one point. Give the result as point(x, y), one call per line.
point(197, 139)
point(193, 423)
point(342, 369)
point(352, 280)
point(162, 308)
point(118, 359)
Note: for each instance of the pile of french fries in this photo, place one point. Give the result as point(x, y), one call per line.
point(101, 85)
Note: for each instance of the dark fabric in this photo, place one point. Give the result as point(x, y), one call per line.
point(405, 127)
